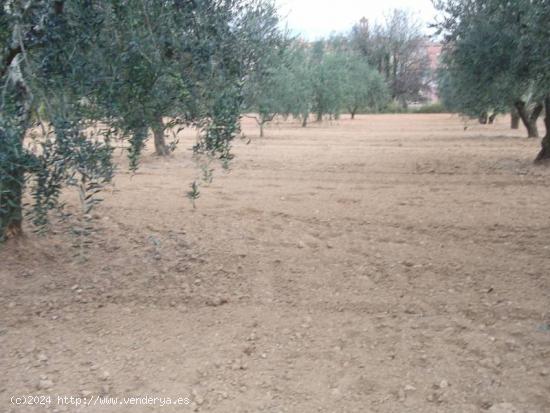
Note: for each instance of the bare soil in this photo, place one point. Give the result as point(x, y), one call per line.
point(394, 263)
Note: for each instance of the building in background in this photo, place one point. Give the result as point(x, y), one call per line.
point(433, 50)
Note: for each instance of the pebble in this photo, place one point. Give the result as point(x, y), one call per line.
point(44, 384)
point(27, 274)
point(238, 365)
point(216, 301)
point(248, 350)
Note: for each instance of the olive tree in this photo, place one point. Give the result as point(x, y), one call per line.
point(365, 88)
point(264, 84)
point(47, 69)
point(298, 78)
point(175, 56)
point(536, 50)
point(266, 92)
point(496, 56)
point(328, 80)
point(496, 68)
point(78, 75)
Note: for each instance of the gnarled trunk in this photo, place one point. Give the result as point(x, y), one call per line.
point(483, 118)
point(161, 148)
point(544, 153)
point(514, 118)
point(529, 119)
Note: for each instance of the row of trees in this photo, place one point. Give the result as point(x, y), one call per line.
point(300, 79)
point(358, 72)
point(79, 77)
point(496, 57)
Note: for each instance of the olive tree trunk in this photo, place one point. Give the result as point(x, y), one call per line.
point(544, 153)
point(263, 120)
point(514, 118)
point(158, 128)
point(529, 119)
point(12, 181)
point(305, 117)
point(483, 118)
point(11, 205)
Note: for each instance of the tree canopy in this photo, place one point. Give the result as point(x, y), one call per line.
point(396, 49)
point(78, 75)
point(495, 56)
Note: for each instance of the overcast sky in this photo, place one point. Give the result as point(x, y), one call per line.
point(319, 18)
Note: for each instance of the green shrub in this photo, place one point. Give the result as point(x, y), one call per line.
point(394, 107)
point(431, 108)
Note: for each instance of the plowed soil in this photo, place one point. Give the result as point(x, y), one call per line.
point(393, 263)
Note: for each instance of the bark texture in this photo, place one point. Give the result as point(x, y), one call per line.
point(161, 148)
point(514, 119)
point(529, 119)
point(544, 154)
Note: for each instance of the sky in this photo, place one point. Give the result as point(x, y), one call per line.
point(319, 18)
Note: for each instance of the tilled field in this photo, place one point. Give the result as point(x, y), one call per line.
point(394, 263)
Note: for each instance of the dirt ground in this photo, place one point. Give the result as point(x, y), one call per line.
point(394, 263)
